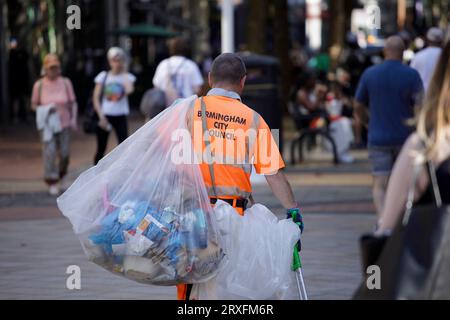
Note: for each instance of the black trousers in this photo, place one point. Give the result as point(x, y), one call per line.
point(120, 126)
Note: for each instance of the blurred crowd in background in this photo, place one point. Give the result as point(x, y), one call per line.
point(305, 59)
point(327, 39)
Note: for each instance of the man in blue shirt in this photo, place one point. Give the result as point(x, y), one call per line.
point(389, 91)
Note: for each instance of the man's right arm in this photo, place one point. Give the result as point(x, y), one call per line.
point(273, 174)
point(361, 113)
point(282, 189)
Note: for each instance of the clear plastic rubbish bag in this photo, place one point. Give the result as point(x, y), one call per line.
point(142, 212)
point(259, 251)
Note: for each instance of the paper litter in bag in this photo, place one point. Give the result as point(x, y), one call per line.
point(259, 250)
point(142, 215)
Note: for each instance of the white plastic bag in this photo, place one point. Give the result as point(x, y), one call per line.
point(259, 250)
point(342, 133)
point(142, 215)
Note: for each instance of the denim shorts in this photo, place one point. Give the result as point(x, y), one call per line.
point(383, 159)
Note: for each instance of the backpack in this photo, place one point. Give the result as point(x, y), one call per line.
point(153, 102)
point(156, 100)
point(171, 92)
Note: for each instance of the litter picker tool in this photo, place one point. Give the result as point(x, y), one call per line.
point(297, 268)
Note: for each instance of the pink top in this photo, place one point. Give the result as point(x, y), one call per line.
point(59, 92)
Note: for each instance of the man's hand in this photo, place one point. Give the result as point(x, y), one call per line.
point(283, 191)
point(296, 216)
point(361, 113)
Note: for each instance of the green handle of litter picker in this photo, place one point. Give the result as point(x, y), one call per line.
point(296, 261)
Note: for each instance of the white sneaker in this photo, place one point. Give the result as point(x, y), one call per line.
point(346, 158)
point(53, 190)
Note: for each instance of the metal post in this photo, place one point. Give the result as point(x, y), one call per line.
point(227, 26)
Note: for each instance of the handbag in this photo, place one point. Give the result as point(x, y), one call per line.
point(371, 247)
point(410, 258)
point(91, 119)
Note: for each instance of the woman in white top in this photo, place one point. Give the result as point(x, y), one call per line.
point(111, 92)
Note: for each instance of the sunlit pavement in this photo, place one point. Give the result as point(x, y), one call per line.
point(38, 244)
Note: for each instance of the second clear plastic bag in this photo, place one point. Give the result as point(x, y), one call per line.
point(259, 250)
point(142, 212)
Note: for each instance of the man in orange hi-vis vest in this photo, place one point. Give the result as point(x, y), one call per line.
point(230, 138)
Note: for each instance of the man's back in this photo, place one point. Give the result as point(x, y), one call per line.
point(228, 118)
point(183, 72)
point(390, 90)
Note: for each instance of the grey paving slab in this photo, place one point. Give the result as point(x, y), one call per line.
point(34, 257)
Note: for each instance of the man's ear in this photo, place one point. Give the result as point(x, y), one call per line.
point(209, 80)
point(243, 82)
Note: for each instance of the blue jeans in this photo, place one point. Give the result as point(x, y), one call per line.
point(383, 158)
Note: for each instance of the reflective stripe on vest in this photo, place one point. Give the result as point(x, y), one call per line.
point(228, 192)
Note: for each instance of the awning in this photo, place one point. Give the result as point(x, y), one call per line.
point(145, 30)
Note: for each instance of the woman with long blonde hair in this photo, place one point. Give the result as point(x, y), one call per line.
point(430, 142)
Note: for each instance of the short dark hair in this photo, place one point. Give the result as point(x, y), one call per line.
point(228, 68)
point(178, 47)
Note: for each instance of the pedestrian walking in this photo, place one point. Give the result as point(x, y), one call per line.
point(175, 77)
point(56, 108)
point(110, 99)
point(425, 60)
point(385, 98)
point(178, 76)
point(18, 82)
point(432, 141)
point(227, 175)
point(411, 242)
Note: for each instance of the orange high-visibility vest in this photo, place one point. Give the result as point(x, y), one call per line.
point(228, 122)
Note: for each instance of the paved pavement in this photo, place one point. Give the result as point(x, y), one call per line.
point(38, 244)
